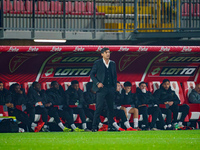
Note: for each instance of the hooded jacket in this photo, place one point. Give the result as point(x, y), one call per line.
point(194, 97)
point(18, 99)
point(56, 97)
point(127, 99)
point(89, 96)
point(35, 97)
point(161, 95)
point(73, 96)
point(144, 98)
point(5, 96)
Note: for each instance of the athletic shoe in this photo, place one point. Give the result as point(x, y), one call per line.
point(120, 129)
point(131, 129)
point(78, 130)
point(94, 130)
point(181, 126)
point(67, 129)
point(39, 127)
point(176, 126)
point(21, 130)
point(45, 130)
point(87, 130)
point(138, 129)
point(154, 129)
point(112, 130)
point(104, 128)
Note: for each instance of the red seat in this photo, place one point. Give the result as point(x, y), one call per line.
point(8, 84)
point(55, 8)
point(3, 110)
point(90, 9)
point(26, 86)
point(42, 7)
point(7, 6)
point(68, 7)
point(18, 7)
point(186, 9)
point(29, 7)
point(79, 7)
point(197, 10)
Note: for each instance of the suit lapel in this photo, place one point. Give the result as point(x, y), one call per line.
point(103, 69)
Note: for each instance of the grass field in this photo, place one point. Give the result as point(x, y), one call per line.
point(188, 139)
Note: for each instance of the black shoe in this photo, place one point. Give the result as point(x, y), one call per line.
point(112, 130)
point(94, 130)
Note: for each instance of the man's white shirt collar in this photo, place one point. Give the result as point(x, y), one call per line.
point(107, 65)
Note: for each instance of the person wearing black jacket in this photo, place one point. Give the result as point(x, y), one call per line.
point(38, 99)
point(127, 98)
point(144, 98)
point(75, 98)
point(165, 95)
point(119, 113)
point(18, 97)
point(4, 94)
point(57, 107)
point(89, 99)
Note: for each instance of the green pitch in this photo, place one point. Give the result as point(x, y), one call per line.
point(166, 140)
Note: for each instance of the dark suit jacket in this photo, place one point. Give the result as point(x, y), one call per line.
point(97, 73)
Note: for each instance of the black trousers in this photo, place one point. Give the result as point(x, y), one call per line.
point(43, 112)
point(30, 109)
point(120, 114)
point(81, 112)
point(155, 112)
point(66, 114)
point(20, 116)
point(184, 109)
point(89, 113)
point(104, 94)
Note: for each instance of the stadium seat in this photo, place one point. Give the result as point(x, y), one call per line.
point(68, 7)
point(8, 84)
point(55, 8)
point(197, 10)
point(194, 113)
point(26, 86)
point(3, 110)
point(186, 9)
point(90, 9)
point(79, 7)
point(29, 7)
point(42, 7)
point(18, 7)
point(7, 6)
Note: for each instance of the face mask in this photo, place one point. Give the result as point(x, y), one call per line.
point(144, 90)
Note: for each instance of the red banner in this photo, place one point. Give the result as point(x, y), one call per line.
point(81, 48)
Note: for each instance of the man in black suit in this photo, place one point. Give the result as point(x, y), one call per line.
point(104, 77)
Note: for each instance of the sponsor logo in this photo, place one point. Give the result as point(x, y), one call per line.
point(172, 71)
point(56, 49)
point(79, 59)
point(142, 49)
point(186, 49)
point(33, 49)
point(164, 49)
point(123, 49)
point(18, 60)
point(66, 72)
point(184, 59)
point(127, 59)
point(13, 49)
point(79, 49)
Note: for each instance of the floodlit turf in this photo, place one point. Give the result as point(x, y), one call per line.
point(163, 140)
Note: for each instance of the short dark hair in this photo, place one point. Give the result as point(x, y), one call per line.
point(165, 80)
point(104, 49)
point(1, 82)
point(12, 87)
point(53, 83)
point(74, 82)
point(118, 82)
point(34, 83)
point(127, 83)
point(142, 83)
